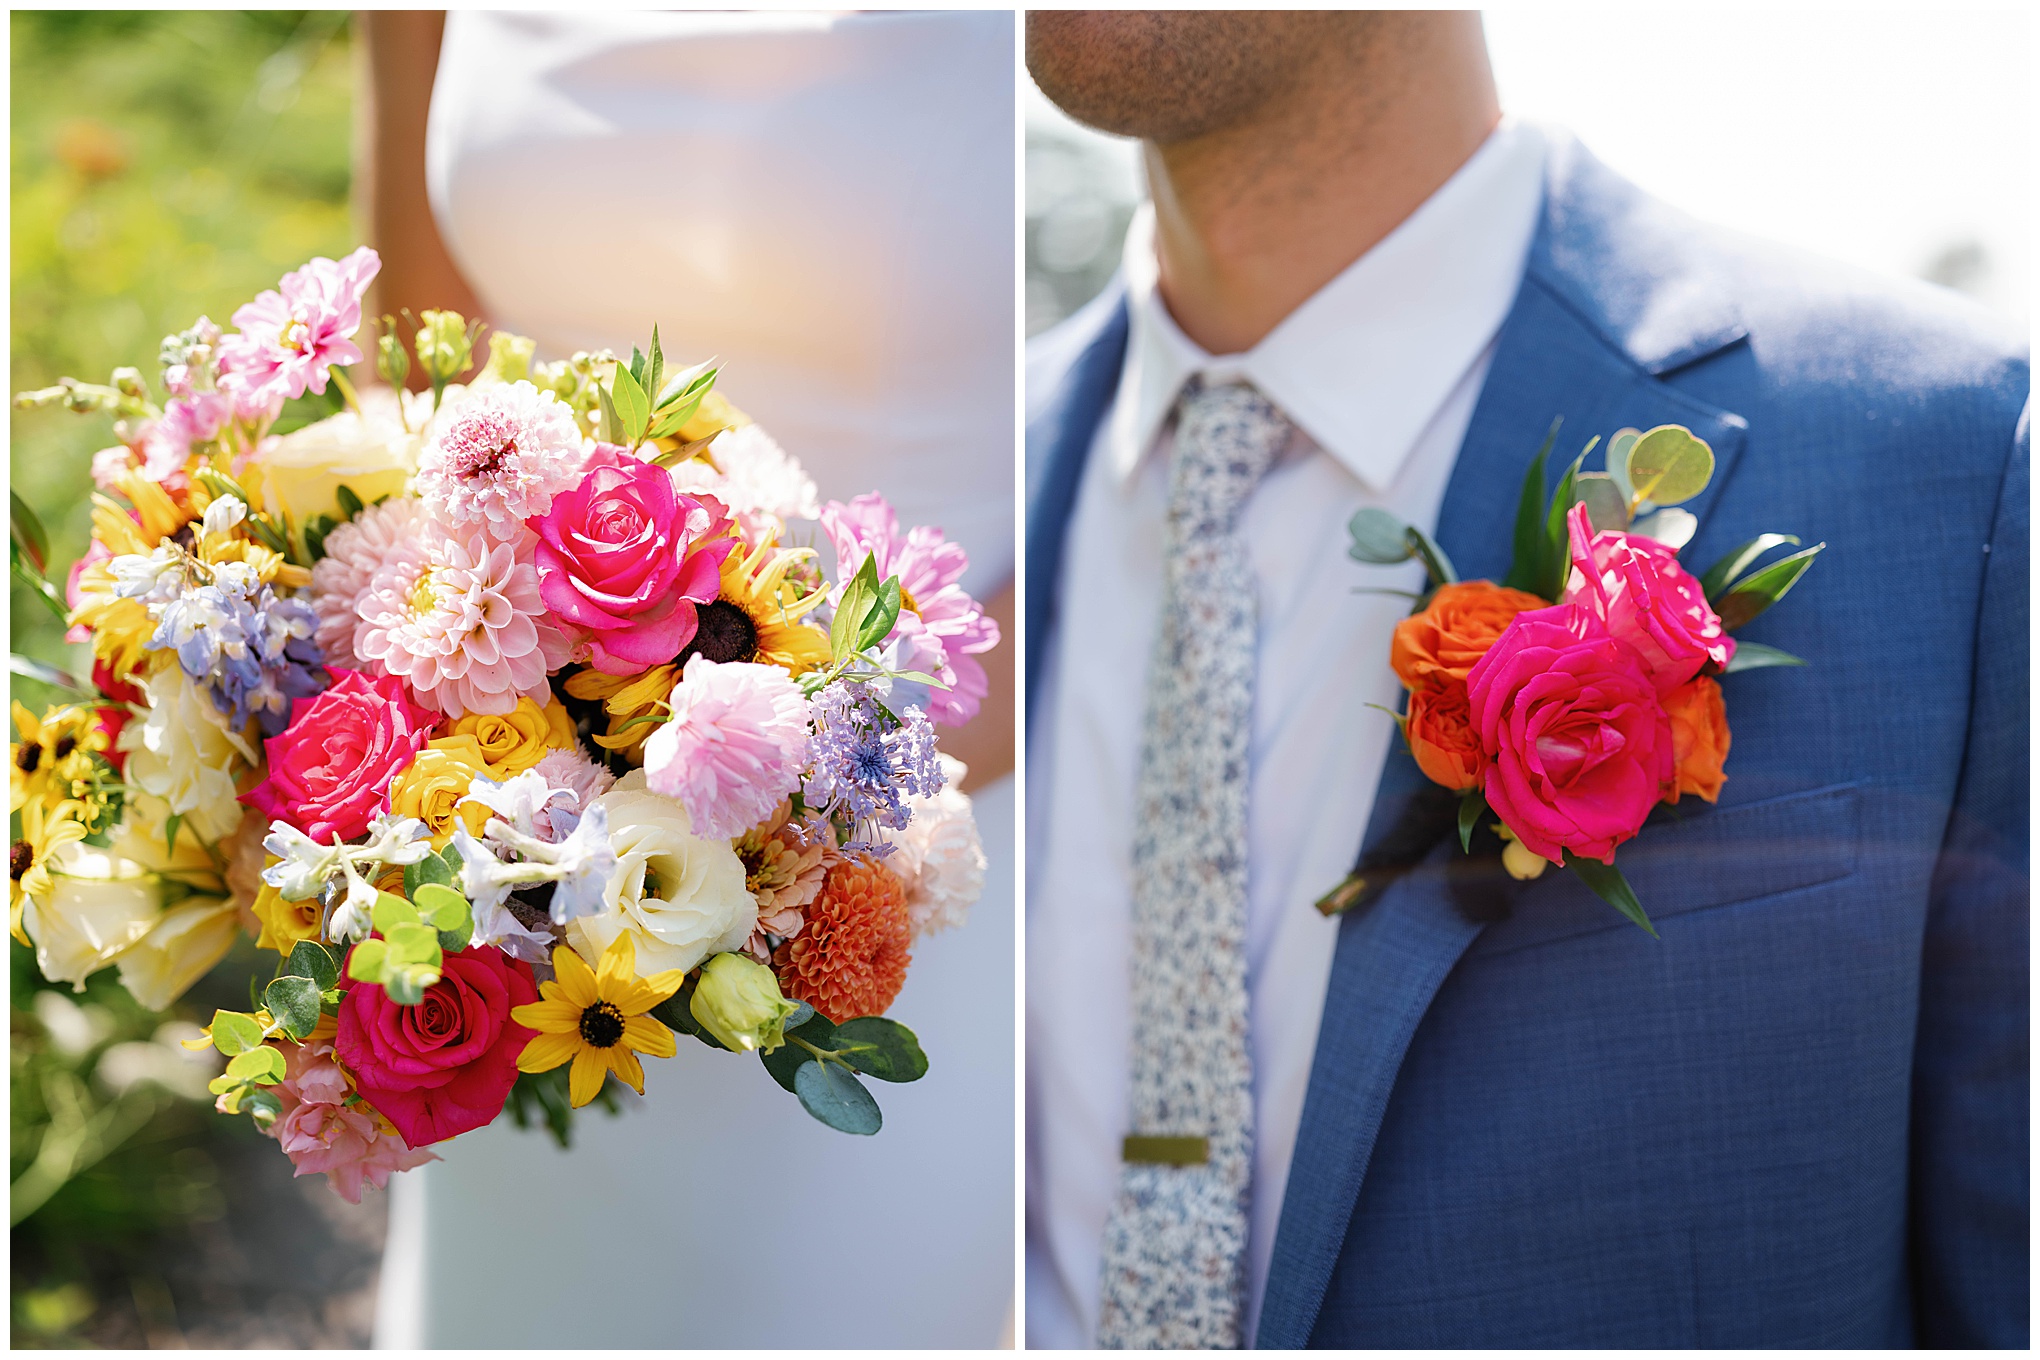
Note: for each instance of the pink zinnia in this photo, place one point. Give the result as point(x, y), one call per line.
point(322, 1134)
point(380, 536)
point(464, 626)
point(736, 745)
point(940, 628)
point(500, 456)
point(289, 340)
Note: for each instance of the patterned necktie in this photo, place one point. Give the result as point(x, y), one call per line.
point(1176, 1239)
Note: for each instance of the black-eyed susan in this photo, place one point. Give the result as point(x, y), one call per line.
point(44, 832)
point(53, 760)
point(756, 616)
point(597, 1021)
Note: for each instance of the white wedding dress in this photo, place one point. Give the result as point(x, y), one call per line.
point(825, 204)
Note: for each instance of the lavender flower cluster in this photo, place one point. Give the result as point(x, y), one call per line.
point(868, 761)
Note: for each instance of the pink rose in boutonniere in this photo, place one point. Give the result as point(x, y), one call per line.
point(1637, 587)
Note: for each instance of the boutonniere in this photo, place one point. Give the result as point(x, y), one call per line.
point(1578, 694)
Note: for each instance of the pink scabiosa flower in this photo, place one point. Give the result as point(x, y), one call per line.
point(500, 456)
point(623, 558)
point(1637, 587)
point(940, 629)
point(736, 745)
point(290, 339)
point(385, 535)
point(464, 627)
point(321, 1133)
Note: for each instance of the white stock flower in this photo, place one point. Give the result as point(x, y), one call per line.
point(184, 753)
point(223, 514)
point(940, 857)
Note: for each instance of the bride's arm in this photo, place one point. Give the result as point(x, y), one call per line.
point(985, 743)
point(400, 57)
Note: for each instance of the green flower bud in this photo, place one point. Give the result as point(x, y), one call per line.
point(128, 382)
point(390, 359)
point(738, 1001)
point(445, 346)
point(509, 356)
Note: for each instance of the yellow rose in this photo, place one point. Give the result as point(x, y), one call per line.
point(300, 474)
point(515, 741)
point(284, 923)
point(180, 949)
point(432, 785)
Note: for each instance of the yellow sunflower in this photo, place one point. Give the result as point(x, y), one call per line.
point(756, 615)
point(626, 697)
point(597, 1020)
point(44, 831)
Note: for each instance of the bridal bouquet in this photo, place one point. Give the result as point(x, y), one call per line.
point(1576, 696)
point(510, 715)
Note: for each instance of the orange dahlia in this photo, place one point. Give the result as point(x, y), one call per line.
point(851, 957)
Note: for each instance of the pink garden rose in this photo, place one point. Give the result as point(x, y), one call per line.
point(289, 340)
point(623, 558)
point(940, 629)
point(330, 770)
point(321, 1133)
point(1577, 742)
point(1637, 587)
point(445, 1065)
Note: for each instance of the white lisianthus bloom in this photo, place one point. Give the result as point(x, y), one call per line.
point(178, 950)
point(143, 838)
point(680, 897)
point(184, 753)
point(98, 905)
point(939, 856)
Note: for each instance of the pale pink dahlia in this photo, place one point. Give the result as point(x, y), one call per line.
point(762, 484)
point(500, 456)
point(321, 1133)
point(464, 627)
point(940, 629)
point(289, 340)
point(736, 745)
point(385, 535)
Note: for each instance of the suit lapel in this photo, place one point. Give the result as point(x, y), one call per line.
point(1591, 332)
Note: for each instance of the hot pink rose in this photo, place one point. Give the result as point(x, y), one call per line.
point(445, 1065)
point(623, 558)
point(321, 1133)
point(1578, 744)
point(1637, 587)
point(330, 770)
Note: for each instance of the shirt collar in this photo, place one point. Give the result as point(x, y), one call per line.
point(1363, 365)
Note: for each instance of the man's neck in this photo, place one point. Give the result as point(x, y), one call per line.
point(1253, 219)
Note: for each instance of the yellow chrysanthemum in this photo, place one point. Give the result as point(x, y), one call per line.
point(597, 1021)
point(625, 697)
point(756, 615)
point(121, 627)
point(44, 832)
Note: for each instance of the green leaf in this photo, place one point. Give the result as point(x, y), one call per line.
point(1670, 526)
point(1760, 590)
point(1528, 571)
point(350, 504)
point(440, 906)
point(783, 1062)
point(1617, 462)
point(881, 1048)
point(1611, 887)
point(852, 609)
point(431, 869)
point(1435, 561)
point(170, 826)
point(688, 383)
point(676, 1013)
point(310, 959)
point(1557, 539)
point(260, 1064)
point(48, 675)
point(1472, 808)
point(294, 1001)
point(234, 1033)
point(655, 364)
point(407, 983)
point(679, 454)
point(1378, 537)
point(637, 367)
point(1717, 577)
point(367, 962)
point(1668, 464)
point(633, 408)
point(836, 1098)
point(1607, 507)
point(1751, 656)
point(391, 910)
point(414, 945)
point(29, 533)
point(611, 431)
point(42, 589)
point(883, 614)
point(263, 1105)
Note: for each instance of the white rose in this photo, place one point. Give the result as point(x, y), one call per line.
point(939, 856)
point(301, 473)
point(680, 897)
point(184, 753)
point(179, 949)
point(97, 906)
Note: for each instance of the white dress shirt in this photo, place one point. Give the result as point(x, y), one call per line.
point(1379, 371)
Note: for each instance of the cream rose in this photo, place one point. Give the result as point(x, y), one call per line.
point(98, 905)
point(179, 949)
point(184, 753)
point(300, 473)
point(680, 897)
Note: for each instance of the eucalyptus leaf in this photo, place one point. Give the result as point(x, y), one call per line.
point(263, 1105)
point(1670, 526)
point(294, 1002)
point(1668, 464)
point(1611, 887)
point(406, 985)
point(233, 1032)
point(1619, 445)
point(259, 1064)
point(1607, 507)
point(310, 959)
point(784, 1061)
point(1436, 563)
point(1379, 537)
point(1751, 656)
point(1758, 591)
point(836, 1098)
point(414, 944)
point(441, 907)
point(391, 911)
point(1718, 577)
point(1528, 570)
point(431, 869)
point(881, 1048)
point(367, 960)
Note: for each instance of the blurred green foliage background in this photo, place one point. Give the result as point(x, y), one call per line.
point(165, 164)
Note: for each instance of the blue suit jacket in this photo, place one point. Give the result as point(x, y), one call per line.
point(1800, 1117)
